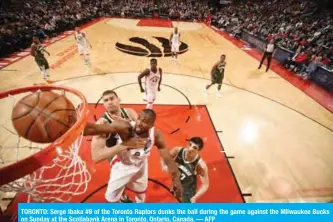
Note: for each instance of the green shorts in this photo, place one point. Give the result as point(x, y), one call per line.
point(42, 63)
point(187, 195)
point(218, 77)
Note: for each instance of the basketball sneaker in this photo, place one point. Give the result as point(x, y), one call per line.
point(126, 199)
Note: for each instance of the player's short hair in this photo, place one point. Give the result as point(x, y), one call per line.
point(151, 113)
point(153, 60)
point(198, 141)
point(108, 92)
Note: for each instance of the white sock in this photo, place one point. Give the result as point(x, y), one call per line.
point(149, 105)
point(140, 198)
point(44, 74)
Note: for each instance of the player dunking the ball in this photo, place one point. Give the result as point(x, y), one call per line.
point(175, 43)
point(217, 75)
point(37, 51)
point(83, 45)
point(130, 165)
point(153, 79)
point(113, 112)
point(191, 165)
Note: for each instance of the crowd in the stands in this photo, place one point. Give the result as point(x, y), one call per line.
point(299, 26)
point(21, 20)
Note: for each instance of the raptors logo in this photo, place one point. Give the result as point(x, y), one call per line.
point(148, 49)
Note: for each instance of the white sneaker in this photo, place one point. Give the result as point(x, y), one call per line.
point(218, 95)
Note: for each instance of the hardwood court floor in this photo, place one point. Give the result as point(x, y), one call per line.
point(281, 140)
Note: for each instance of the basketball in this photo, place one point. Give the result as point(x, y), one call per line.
point(43, 117)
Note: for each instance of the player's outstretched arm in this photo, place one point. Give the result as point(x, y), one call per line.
point(141, 75)
point(99, 129)
point(98, 150)
point(173, 153)
point(171, 164)
point(202, 171)
point(132, 114)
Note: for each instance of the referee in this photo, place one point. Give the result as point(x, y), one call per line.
point(269, 51)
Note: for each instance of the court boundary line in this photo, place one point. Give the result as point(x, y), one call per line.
point(225, 156)
point(203, 78)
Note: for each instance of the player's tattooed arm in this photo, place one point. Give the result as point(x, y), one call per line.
point(202, 171)
point(169, 161)
point(143, 74)
point(159, 84)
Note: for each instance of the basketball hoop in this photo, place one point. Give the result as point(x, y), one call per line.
point(46, 172)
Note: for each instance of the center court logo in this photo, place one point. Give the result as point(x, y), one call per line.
point(148, 49)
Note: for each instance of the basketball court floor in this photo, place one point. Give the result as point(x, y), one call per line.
point(266, 140)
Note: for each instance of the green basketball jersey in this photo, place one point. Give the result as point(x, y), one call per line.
point(113, 138)
point(187, 170)
point(39, 51)
point(219, 69)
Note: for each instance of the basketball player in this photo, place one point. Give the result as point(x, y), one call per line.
point(113, 112)
point(217, 75)
point(175, 43)
point(37, 51)
point(153, 79)
point(130, 165)
point(83, 45)
point(190, 165)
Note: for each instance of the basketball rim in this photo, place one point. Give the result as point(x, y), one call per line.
point(28, 165)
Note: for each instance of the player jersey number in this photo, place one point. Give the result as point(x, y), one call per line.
point(154, 79)
point(182, 176)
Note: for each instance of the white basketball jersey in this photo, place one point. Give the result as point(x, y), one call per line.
point(137, 156)
point(175, 38)
point(153, 79)
point(80, 39)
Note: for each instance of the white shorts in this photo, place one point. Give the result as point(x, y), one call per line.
point(132, 177)
point(83, 50)
point(150, 95)
point(174, 47)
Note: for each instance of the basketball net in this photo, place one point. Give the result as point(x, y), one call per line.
point(58, 171)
